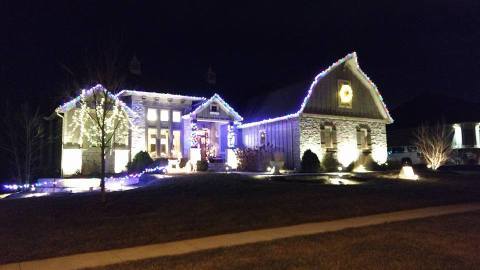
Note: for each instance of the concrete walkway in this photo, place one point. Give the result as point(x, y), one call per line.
point(93, 259)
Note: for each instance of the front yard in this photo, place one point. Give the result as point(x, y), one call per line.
point(448, 242)
point(201, 205)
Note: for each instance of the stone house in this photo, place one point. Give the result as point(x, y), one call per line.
point(340, 112)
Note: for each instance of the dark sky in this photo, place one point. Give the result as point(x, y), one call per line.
point(254, 47)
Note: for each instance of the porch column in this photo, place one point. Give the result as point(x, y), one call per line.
point(232, 161)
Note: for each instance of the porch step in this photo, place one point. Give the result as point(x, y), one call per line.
point(217, 167)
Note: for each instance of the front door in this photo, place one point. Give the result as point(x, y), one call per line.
point(204, 142)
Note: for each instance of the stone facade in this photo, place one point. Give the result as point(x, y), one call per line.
point(346, 147)
point(138, 137)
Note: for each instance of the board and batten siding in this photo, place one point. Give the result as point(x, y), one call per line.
point(282, 135)
point(221, 115)
point(324, 99)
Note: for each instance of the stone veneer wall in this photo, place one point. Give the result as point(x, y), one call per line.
point(138, 132)
point(310, 138)
point(91, 162)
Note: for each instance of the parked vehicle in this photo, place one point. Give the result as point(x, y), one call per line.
point(405, 155)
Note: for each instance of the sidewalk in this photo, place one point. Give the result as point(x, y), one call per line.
point(93, 259)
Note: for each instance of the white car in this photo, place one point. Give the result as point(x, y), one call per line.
point(405, 155)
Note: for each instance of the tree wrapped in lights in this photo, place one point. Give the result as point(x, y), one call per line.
point(434, 143)
point(100, 120)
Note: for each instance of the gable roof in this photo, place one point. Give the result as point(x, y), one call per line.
point(158, 95)
point(236, 116)
point(67, 106)
point(289, 102)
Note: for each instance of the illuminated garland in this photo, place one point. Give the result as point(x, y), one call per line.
point(158, 95)
point(193, 135)
point(310, 91)
point(88, 92)
point(117, 123)
point(112, 180)
point(231, 136)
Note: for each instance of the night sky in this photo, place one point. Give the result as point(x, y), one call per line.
point(254, 47)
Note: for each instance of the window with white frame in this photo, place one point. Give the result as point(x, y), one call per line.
point(151, 114)
point(164, 139)
point(176, 116)
point(164, 115)
point(457, 136)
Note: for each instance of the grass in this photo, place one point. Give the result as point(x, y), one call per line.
point(202, 205)
point(447, 242)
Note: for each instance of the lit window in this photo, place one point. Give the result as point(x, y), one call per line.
point(152, 142)
point(164, 115)
point(151, 114)
point(345, 94)
point(477, 135)
point(457, 136)
point(176, 147)
point(164, 137)
point(176, 116)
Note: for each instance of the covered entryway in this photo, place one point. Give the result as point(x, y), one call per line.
point(212, 131)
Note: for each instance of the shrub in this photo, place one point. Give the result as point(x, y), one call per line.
point(254, 160)
point(183, 162)
point(310, 162)
point(140, 161)
point(202, 165)
point(330, 163)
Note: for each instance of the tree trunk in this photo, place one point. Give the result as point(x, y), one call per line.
point(102, 174)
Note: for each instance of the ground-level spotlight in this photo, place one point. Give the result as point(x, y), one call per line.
point(407, 173)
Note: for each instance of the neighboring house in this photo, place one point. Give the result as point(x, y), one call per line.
point(431, 108)
point(341, 112)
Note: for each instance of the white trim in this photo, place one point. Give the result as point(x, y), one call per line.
point(213, 120)
point(268, 121)
point(229, 110)
point(340, 117)
point(158, 95)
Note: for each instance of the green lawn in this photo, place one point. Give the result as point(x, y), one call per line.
point(202, 205)
point(447, 242)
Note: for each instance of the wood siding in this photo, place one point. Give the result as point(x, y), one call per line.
point(280, 134)
point(325, 99)
point(222, 114)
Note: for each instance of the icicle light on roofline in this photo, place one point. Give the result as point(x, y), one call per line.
point(224, 104)
point(87, 92)
point(310, 91)
point(155, 94)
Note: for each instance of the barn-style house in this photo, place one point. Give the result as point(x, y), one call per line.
point(341, 112)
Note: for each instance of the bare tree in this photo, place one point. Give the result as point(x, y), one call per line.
point(104, 64)
point(22, 133)
point(102, 122)
point(434, 143)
